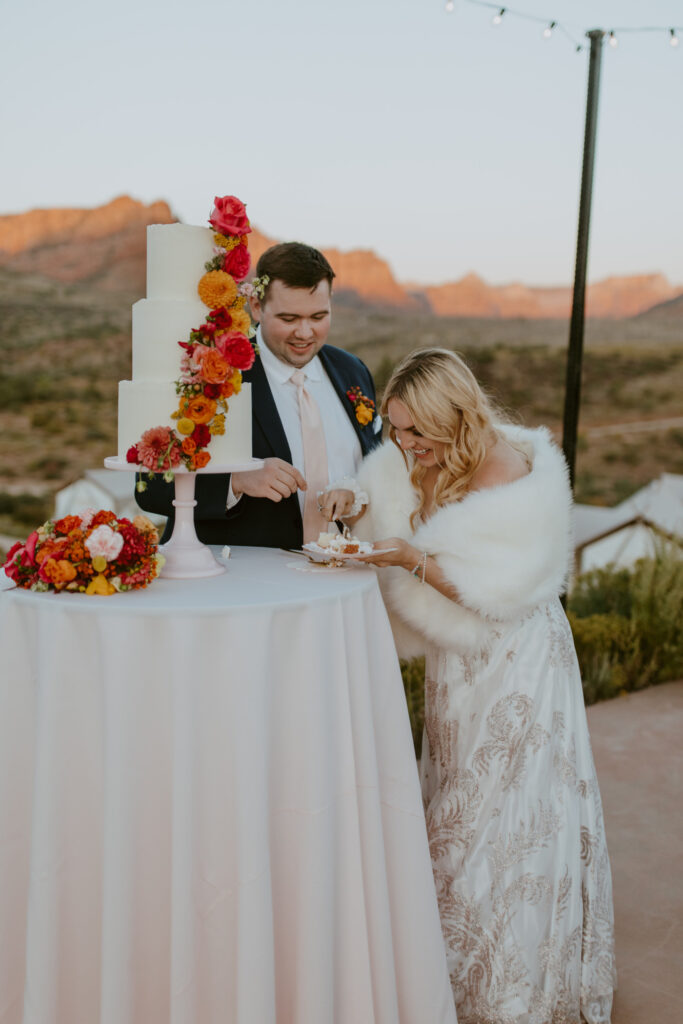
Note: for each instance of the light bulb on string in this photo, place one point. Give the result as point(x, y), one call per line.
point(497, 18)
point(613, 41)
point(449, 6)
point(674, 41)
point(548, 30)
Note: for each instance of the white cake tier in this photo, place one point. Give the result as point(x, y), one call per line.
point(146, 404)
point(158, 326)
point(176, 254)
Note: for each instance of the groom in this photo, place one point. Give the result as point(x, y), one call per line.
point(293, 421)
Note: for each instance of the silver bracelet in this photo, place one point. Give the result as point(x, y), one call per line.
point(421, 565)
point(347, 483)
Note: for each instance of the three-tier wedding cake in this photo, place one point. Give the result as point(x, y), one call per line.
point(176, 259)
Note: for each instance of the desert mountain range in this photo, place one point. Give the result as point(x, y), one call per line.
point(105, 247)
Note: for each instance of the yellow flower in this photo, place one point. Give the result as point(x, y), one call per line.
point(99, 563)
point(241, 321)
point(217, 289)
point(363, 414)
point(236, 381)
point(185, 425)
point(226, 241)
point(217, 425)
point(100, 585)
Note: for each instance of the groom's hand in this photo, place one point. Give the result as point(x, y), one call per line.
point(275, 480)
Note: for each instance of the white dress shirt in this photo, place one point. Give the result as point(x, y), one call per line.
point(344, 453)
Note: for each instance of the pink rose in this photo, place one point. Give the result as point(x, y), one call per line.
point(237, 262)
point(21, 557)
point(105, 542)
point(229, 216)
point(30, 546)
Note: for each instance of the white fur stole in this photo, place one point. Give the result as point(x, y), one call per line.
point(505, 549)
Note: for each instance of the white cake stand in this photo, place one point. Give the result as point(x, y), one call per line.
point(186, 556)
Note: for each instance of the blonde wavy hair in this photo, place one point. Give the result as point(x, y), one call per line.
point(447, 405)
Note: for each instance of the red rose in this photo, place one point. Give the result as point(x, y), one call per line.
point(237, 349)
point(221, 318)
point(132, 453)
point(211, 391)
point(237, 262)
point(201, 435)
point(229, 216)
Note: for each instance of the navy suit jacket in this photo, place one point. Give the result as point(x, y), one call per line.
point(259, 521)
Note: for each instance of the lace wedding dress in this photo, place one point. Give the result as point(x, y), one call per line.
point(512, 802)
point(516, 830)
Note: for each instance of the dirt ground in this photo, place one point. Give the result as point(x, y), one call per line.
point(639, 758)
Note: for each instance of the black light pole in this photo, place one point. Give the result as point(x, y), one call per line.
point(576, 328)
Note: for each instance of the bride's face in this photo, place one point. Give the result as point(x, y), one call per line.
point(428, 453)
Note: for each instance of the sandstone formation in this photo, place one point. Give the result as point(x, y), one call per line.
point(105, 248)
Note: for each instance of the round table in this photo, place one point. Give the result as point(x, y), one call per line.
point(209, 807)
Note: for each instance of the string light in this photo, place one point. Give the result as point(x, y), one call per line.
point(611, 33)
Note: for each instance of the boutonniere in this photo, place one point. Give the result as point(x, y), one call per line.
point(363, 406)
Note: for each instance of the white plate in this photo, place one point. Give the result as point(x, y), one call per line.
point(318, 554)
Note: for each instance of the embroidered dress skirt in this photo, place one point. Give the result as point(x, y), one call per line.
point(516, 830)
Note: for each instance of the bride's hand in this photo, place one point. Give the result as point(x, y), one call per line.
point(336, 503)
point(393, 551)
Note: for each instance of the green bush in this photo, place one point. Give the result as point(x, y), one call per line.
point(627, 624)
point(21, 513)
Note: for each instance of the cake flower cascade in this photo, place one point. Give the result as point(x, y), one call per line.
point(213, 357)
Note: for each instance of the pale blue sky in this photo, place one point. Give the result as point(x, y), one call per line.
point(439, 141)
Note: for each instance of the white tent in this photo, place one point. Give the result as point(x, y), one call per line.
point(101, 489)
point(632, 529)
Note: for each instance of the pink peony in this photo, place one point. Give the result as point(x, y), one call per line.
point(229, 216)
point(105, 542)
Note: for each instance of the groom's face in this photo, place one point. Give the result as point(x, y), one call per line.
point(294, 322)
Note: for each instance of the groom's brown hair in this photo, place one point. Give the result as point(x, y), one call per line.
point(295, 264)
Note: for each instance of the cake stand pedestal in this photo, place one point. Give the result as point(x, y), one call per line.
point(186, 556)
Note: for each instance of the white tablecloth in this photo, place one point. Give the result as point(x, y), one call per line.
point(209, 807)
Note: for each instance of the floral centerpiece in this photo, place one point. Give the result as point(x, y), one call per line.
point(214, 356)
point(91, 553)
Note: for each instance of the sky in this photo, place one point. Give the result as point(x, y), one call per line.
point(444, 143)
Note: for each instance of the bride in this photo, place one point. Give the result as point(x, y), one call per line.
point(476, 520)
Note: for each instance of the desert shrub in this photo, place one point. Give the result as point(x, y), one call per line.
point(23, 512)
point(627, 624)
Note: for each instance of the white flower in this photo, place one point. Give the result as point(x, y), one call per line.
point(105, 542)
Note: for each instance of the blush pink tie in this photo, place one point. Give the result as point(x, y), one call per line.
point(315, 457)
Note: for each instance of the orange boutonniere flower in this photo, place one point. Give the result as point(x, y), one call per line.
point(364, 407)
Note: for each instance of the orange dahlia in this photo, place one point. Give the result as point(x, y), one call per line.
point(217, 289)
